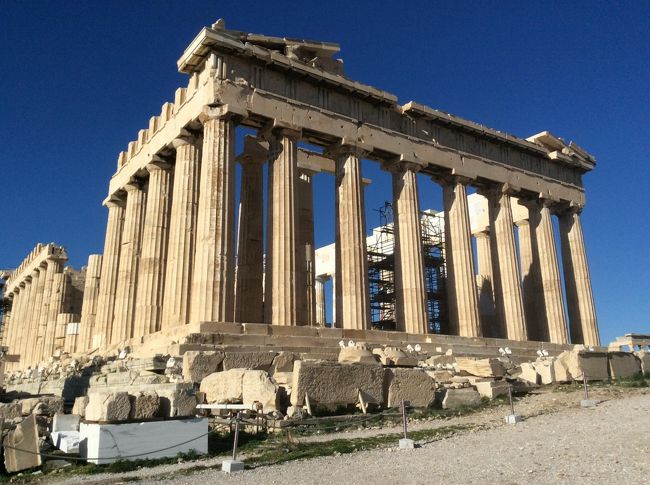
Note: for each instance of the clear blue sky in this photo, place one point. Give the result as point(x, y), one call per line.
point(80, 78)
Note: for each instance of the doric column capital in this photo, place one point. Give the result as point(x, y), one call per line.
point(224, 111)
point(346, 147)
point(114, 201)
point(485, 233)
point(288, 131)
point(158, 163)
point(132, 186)
point(256, 151)
point(398, 166)
point(450, 178)
point(497, 189)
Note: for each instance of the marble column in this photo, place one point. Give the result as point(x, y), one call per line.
point(250, 244)
point(57, 297)
point(551, 285)
point(487, 308)
point(21, 319)
point(60, 334)
point(52, 268)
point(411, 314)
point(15, 320)
point(213, 284)
point(306, 251)
point(281, 298)
point(531, 281)
point(507, 281)
point(6, 317)
point(89, 305)
point(29, 328)
point(580, 301)
point(127, 278)
point(152, 265)
point(461, 281)
point(352, 289)
point(321, 306)
point(108, 280)
point(182, 233)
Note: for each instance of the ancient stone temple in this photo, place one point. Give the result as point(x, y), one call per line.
point(175, 256)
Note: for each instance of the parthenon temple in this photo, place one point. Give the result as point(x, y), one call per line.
point(181, 253)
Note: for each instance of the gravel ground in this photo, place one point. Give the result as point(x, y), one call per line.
point(559, 443)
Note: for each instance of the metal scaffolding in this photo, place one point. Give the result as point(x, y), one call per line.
point(381, 270)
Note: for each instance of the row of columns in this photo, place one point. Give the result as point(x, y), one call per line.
point(171, 257)
point(30, 327)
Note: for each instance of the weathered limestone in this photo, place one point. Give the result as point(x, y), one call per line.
point(357, 354)
point(213, 284)
point(108, 407)
point(461, 284)
point(281, 293)
point(28, 326)
point(52, 268)
point(32, 348)
point(257, 387)
point(199, 364)
point(491, 389)
point(330, 383)
point(182, 233)
point(223, 387)
point(57, 297)
point(480, 367)
point(89, 306)
point(352, 289)
point(250, 251)
point(61, 332)
point(412, 385)
point(249, 360)
point(580, 299)
point(455, 398)
point(580, 363)
point(144, 405)
point(152, 263)
point(127, 281)
point(623, 365)
point(505, 269)
point(409, 266)
point(24, 437)
point(109, 274)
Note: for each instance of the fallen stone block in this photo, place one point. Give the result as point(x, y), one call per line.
point(644, 359)
point(42, 406)
point(66, 441)
point(199, 364)
point(223, 387)
point(492, 389)
point(529, 373)
point(21, 447)
point(393, 356)
point(412, 385)
point(79, 406)
point(283, 362)
point(592, 364)
point(545, 371)
point(178, 402)
point(115, 406)
point(248, 360)
point(480, 367)
point(356, 355)
point(338, 384)
point(623, 365)
point(444, 361)
point(455, 398)
point(257, 386)
point(11, 410)
point(145, 405)
point(441, 375)
point(560, 371)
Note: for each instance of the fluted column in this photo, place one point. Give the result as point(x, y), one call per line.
point(409, 264)
point(306, 250)
point(61, 340)
point(321, 306)
point(52, 269)
point(110, 268)
point(182, 233)
point(551, 284)
point(530, 280)
point(250, 245)
point(14, 329)
point(151, 268)
point(461, 282)
point(28, 334)
point(580, 301)
point(507, 282)
point(6, 319)
point(127, 278)
point(352, 289)
point(213, 283)
point(89, 305)
point(281, 299)
point(57, 297)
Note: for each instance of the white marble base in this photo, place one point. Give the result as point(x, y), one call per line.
point(105, 443)
point(406, 444)
point(514, 418)
point(232, 466)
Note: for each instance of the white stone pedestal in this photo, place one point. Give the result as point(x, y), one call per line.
point(232, 466)
point(514, 418)
point(588, 403)
point(406, 444)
